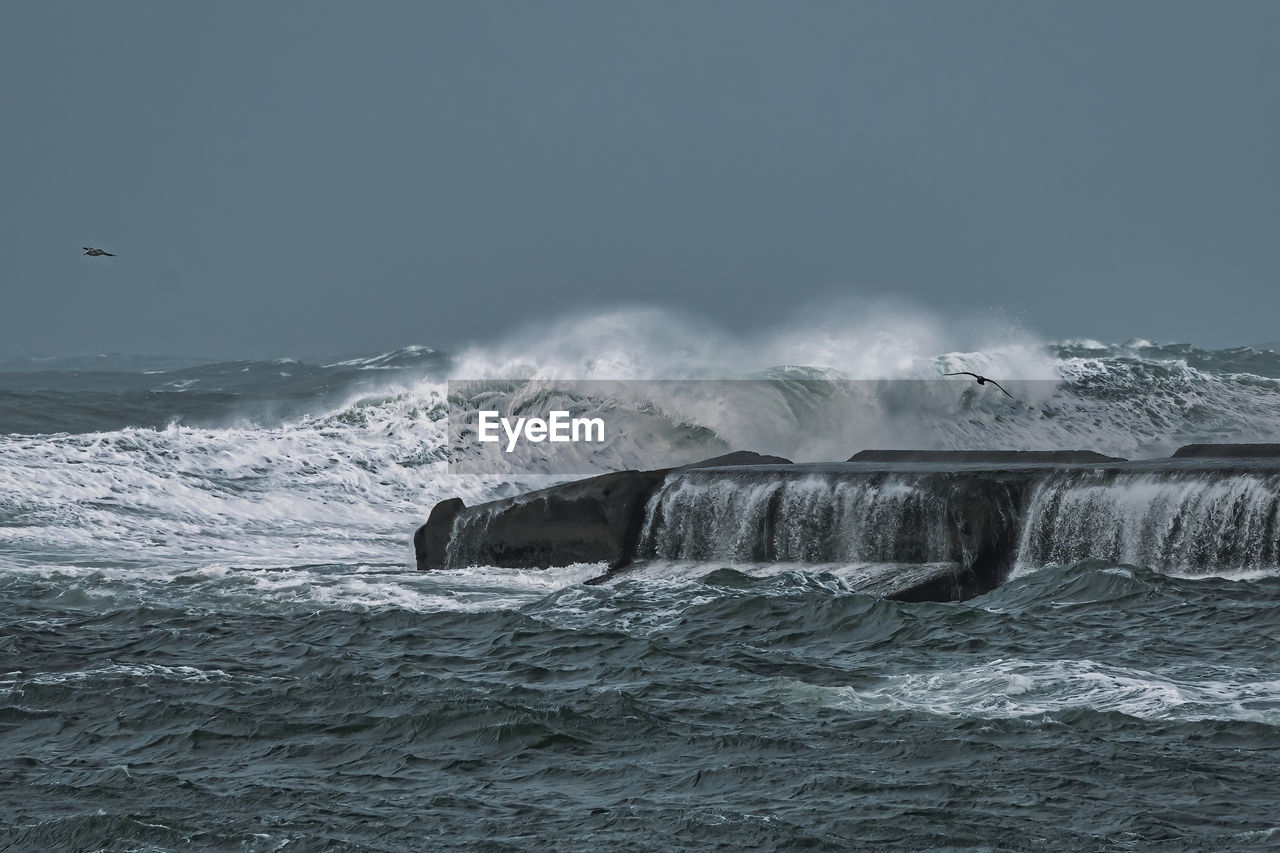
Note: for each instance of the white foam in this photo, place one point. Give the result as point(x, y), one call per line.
point(1015, 688)
point(317, 587)
point(341, 488)
point(115, 672)
point(858, 338)
point(665, 604)
point(470, 590)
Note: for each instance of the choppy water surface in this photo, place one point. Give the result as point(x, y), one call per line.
point(1088, 706)
point(212, 638)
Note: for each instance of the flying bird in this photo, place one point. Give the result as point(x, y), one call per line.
point(95, 252)
point(982, 380)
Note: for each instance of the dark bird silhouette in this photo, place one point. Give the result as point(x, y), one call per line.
point(982, 380)
point(91, 251)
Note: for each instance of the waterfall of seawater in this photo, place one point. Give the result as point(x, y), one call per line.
point(1186, 523)
point(1175, 522)
point(814, 519)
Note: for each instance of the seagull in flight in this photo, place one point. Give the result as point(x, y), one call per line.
point(982, 380)
point(88, 250)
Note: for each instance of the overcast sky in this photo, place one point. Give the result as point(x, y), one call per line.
point(312, 178)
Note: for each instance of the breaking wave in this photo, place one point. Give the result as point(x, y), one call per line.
point(125, 460)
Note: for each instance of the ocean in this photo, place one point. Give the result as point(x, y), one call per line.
point(213, 636)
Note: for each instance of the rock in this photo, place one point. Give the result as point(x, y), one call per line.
point(589, 521)
point(1038, 457)
point(986, 516)
point(432, 538)
point(736, 459)
point(1227, 451)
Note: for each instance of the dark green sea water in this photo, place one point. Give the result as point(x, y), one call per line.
point(1083, 707)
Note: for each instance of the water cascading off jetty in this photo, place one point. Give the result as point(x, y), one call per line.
point(929, 525)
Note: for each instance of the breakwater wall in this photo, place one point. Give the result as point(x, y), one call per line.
point(938, 525)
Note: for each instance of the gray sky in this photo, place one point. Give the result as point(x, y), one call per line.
point(310, 178)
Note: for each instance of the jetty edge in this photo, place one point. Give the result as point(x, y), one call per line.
point(929, 525)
